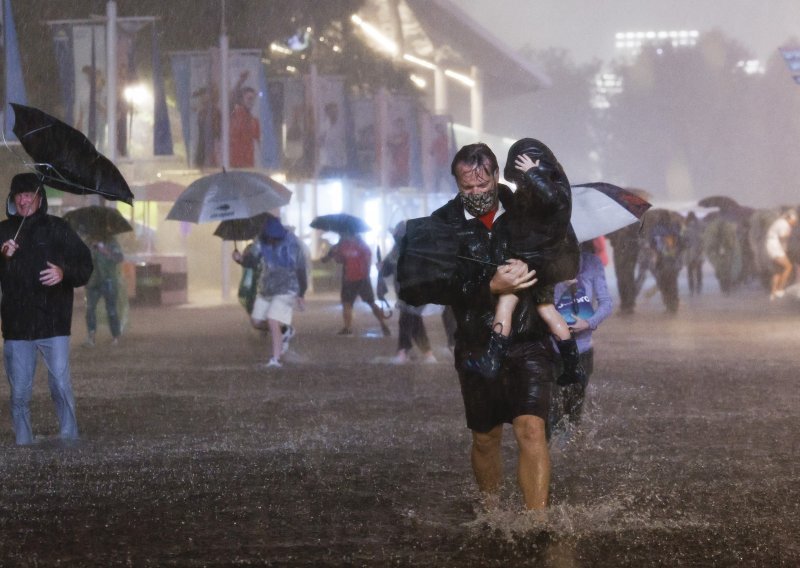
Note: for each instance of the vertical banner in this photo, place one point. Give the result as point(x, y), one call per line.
point(438, 148)
point(62, 44)
point(181, 76)
point(403, 143)
point(12, 69)
point(244, 118)
point(198, 104)
point(298, 149)
point(251, 134)
point(330, 133)
point(365, 139)
point(89, 81)
point(205, 120)
point(270, 135)
point(162, 134)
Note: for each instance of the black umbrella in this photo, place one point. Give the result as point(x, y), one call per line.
point(340, 223)
point(97, 222)
point(65, 158)
point(241, 229)
point(430, 253)
point(721, 202)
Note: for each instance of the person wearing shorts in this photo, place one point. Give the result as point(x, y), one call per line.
point(520, 394)
point(282, 283)
point(775, 243)
point(356, 259)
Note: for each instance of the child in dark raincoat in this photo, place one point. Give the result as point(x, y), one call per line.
point(543, 238)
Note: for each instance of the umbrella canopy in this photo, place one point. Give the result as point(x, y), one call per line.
point(242, 229)
point(65, 158)
point(340, 223)
point(721, 202)
point(600, 208)
point(228, 195)
point(97, 222)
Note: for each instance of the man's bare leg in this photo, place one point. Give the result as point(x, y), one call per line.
point(487, 463)
point(533, 468)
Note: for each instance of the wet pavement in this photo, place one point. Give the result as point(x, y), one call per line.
point(192, 455)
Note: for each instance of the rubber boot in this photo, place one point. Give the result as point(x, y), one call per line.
point(489, 363)
point(573, 370)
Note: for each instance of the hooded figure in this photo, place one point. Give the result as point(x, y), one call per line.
point(541, 231)
point(43, 260)
point(30, 310)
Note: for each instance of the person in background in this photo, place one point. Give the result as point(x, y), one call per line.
point(411, 326)
point(282, 283)
point(356, 259)
point(104, 283)
point(626, 244)
point(585, 303)
point(42, 261)
point(693, 251)
point(777, 237)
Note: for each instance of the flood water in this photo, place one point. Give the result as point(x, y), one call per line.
point(192, 456)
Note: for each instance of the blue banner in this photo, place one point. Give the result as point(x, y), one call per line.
point(62, 43)
point(15, 84)
point(162, 134)
point(181, 75)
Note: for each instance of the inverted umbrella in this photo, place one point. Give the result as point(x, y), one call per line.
point(241, 229)
point(600, 208)
point(228, 195)
point(65, 158)
point(340, 223)
point(97, 222)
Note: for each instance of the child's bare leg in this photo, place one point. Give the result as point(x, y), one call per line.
point(554, 321)
point(567, 347)
point(503, 312)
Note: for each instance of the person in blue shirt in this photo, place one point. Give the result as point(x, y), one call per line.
point(585, 303)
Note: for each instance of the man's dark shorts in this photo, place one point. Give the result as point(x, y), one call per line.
point(524, 387)
point(362, 288)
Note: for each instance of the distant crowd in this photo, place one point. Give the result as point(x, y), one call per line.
point(743, 245)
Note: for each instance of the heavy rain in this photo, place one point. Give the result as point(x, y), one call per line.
point(240, 400)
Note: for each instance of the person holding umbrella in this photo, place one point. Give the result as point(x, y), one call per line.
point(104, 283)
point(282, 283)
point(42, 261)
point(353, 253)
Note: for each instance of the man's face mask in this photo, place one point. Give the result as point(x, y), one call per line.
point(479, 204)
point(478, 189)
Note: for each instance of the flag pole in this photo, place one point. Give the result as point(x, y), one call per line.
point(224, 92)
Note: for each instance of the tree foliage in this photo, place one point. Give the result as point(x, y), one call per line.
point(691, 123)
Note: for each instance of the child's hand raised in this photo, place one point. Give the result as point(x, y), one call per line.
point(524, 162)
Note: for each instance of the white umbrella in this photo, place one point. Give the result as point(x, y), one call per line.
point(228, 195)
point(600, 208)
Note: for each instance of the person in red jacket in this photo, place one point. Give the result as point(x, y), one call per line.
point(356, 259)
